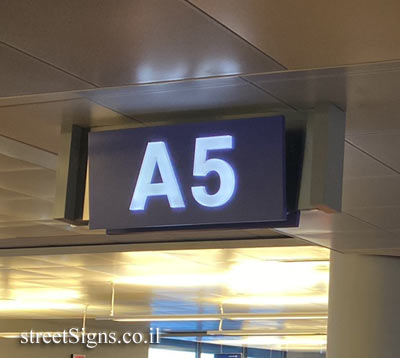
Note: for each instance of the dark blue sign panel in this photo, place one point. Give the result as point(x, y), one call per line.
point(228, 355)
point(210, 173)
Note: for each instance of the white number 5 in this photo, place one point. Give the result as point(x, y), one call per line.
point(202, 166)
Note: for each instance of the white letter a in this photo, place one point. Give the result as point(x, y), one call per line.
point(156, 154)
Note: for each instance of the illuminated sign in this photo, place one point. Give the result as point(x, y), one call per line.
point(156, 156)
point(205, 174)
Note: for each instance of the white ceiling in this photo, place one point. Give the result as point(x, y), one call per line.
point(137, 274)
point(175, 282)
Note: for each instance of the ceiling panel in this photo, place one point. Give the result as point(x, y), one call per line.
point(67, 272)
point(169, 282)
point(135, 42)
point(353, 241)
point(358, 164)
point(316, 221)
point(76, 260)
point(11, 164)
point(9, 194)
point(315, 33)
point(38, 183)
point(373, 100)
point(26, 191)
point(23, 262)
point(31, 231)
point(19, 223)
point(21, 74)
point(383, 146)
point(387, 217)
point(383, 252)
point(371, 192)
point(5, 219)
point(18, 274)
point(38, 98)
point(305, 89)
point(39, 124)
point(164, 101)
point(369, 93)
point(27, 209)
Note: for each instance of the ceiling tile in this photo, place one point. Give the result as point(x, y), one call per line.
point(358, 164)
point(39, 124)
point(372, 100)
point(305, 89)
point(118, 45)
point(67, 272)
point(17, 274)
point(9, 194)
point(27, 209)
point(21, 74)
point(112, 270)
point(315, 33)
point(359, 240)
point(31, 231)
point(371, 192)
point(19, 223)
point(12, 164)
point(38, 183)
point(78, 260)
point(6, 219)
point(316, 221)
point(22, 262)
point(383, 146)
point(38, 98)
point(369, 93)
point(172, 100)
point(382, 252)
point(384, 217)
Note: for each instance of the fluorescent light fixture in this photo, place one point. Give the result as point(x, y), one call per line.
point(172, 280)
point(292, 343)
point(18, 306)
point(16, 335)
point(10, 334)
point(218, 317)
point(275, 300)
point(290, 316)
point(180, 319)
point(283, 283)
point(258, 333)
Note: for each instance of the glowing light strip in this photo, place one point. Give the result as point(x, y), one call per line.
point(217, 317)
point(265, 333)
